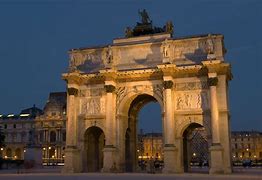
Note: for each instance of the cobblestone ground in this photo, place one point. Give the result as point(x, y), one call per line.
point(53, 174)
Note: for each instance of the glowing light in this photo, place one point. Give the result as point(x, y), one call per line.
point(241, 156)
point(49, 147)
point(5, 157)
point(24, 115)
point(247, 149)
point(44, 149)
point(10, 115)
point(2, 149)
point(255, 156)
point(24, 150)
point(1, 115)
point(234, 156)
point(138, 150)
point(194, 154)
point(53, 156)
point(15, 157)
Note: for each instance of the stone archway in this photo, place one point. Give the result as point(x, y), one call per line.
point(94, 144)
point(131, 142)
point(195, 147)
point(108, 93)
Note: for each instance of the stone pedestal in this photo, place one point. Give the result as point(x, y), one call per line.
point(72, 161)
point(33, 156)
point(216, 164)
point(110, 164)
point(170, 153)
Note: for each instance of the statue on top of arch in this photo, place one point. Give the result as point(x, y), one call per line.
point(145, 27)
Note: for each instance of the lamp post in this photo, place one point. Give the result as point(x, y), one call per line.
point(48, 154)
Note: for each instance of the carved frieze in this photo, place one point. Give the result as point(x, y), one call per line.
point(91, 92)
point(80, 58)
point(190, 50)
point(191, 86)
point(91, 106)
point(191, 101)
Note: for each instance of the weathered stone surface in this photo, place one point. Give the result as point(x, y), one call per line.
point(112, 83)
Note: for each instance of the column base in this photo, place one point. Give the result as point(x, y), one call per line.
point(110, 159)
point(216, 164)
point(170, 163)
point(72, 160)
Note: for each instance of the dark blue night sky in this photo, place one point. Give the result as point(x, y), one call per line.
point(36, 34)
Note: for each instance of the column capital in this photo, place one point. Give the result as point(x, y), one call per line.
point(168, 84)
point(72, 91)
point(110, 88)
point(212, 81)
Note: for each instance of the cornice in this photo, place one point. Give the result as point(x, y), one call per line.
point(219, 67)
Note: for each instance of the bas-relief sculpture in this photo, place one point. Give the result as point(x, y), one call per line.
point(191, 101)
point(169, 51)
point(109, 80)
point(191, 95)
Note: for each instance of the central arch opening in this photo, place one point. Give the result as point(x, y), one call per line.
point(143, 147)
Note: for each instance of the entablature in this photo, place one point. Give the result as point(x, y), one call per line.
point(219, 67)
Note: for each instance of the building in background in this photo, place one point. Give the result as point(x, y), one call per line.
point(48, 127)
point(150, 146)
point(16, 130)
point(246, 145)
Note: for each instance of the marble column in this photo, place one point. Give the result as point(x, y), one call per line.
point(110, 130)
point(216, 164)
point(72, 153)
point(169, 147)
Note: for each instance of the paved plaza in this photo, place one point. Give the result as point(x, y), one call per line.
point(53, 174)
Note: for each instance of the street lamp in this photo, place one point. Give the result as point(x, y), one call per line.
point(48, 154)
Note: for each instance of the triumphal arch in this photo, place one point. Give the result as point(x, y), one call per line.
point(108, 85)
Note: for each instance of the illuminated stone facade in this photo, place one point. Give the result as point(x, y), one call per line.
point(16, 130)
point(108, 85)
point(246, 145)
point(150, 145)
point(48, 128)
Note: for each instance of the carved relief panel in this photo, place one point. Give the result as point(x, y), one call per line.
point(85, 61)
point(191, 100)
point(191, 96)
point(92, 101)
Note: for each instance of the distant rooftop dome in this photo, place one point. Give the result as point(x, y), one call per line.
point(33, 111)
point(56, 103)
